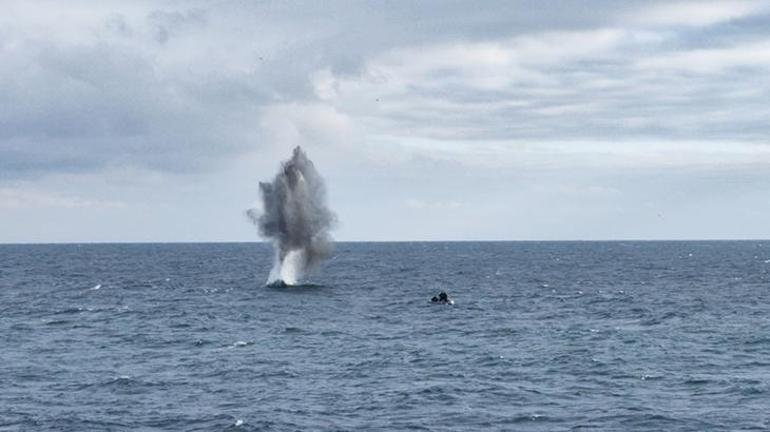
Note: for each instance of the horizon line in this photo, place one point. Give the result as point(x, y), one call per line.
point(637, 240)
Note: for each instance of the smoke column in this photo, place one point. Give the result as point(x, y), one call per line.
point(295, 217)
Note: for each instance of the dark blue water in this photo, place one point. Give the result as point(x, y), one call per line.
point(543, 336)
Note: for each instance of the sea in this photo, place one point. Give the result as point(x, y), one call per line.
point(543, 336)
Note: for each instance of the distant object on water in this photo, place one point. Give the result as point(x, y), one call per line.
point(442, 298)
point(278, 283)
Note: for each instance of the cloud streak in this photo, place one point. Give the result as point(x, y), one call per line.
point(26, 198)
point(694, 13)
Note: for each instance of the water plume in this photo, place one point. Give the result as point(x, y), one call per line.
point(295, 217)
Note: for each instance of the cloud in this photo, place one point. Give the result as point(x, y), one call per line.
point(292, 124)
point(145, 89)
point(755, 54)
point(608, 85)
point(497, 156)
point(694, 13)
point(13, 198)
point(525, 114)
point(432, 205)
point(190, 87)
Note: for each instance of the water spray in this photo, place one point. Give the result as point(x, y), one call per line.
point(295, 218)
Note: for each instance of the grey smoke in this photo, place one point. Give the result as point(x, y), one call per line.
point(296, 218)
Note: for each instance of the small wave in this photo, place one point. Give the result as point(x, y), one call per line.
point(760, 340)
point(69, 311)
point(748, 389)
point(698, 381)
point(649, 377)
point(58, 322)
point(201, 342)
point(527, 418)
point(327, 333)
point(121, 382)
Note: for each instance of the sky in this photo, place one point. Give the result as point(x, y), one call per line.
point(432, 120)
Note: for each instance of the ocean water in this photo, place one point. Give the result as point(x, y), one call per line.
point(553, 336)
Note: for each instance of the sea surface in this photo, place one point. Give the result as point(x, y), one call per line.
point(543, 336)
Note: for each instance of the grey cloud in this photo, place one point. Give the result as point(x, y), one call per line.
point(186, 87)
point(602, 98)
point(168, 24)
point(71, 107)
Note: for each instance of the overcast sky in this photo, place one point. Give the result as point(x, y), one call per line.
point(593, 119)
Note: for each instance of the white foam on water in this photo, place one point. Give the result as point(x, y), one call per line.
point(275, 272)
point(289, 270)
